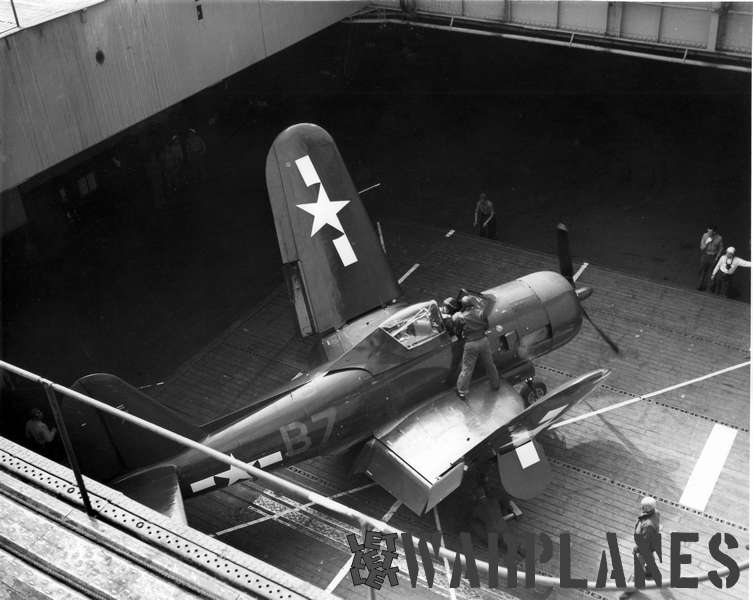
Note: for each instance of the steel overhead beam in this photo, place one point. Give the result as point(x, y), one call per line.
point(699, 57)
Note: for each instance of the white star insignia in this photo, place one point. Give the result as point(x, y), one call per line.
point(324, 211)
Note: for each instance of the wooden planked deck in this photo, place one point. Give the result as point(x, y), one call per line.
point(602, 466)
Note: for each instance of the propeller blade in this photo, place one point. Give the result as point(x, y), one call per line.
point(563, 252)
point(603, 335)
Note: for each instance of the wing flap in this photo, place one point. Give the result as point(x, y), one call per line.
point(421, 459)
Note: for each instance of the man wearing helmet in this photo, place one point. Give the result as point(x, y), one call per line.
point(471, 325)
point(646, 535)
point(724, 270)
point(447, 309)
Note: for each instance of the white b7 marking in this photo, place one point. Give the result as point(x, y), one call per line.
point(706, 472)
point(296, 437)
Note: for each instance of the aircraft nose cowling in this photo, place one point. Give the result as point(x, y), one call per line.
point(560, 303)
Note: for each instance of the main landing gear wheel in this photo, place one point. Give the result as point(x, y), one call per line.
point(533, 389)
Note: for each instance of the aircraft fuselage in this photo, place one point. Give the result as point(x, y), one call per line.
point(394, 368)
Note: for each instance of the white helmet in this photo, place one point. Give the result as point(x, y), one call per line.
point(648, 505)
point(731, 250)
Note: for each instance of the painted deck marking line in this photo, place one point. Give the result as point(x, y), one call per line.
point(391, 512)
point(579, 272)
point(288, 511)
point(346, 567)
point(339, 577)
point(650, 395)
point(709, 466)
point(450, 233)
point(444, 560)
point(148, 385)
point(381, 237)
point(371, 187)
point(408, 273)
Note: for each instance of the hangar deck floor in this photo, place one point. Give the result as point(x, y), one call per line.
point(602, 465)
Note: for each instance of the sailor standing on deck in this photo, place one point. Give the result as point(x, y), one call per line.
point(484, 218)
point(724, 270)
point(472, 325)
point(711, 250)
point(646, 534)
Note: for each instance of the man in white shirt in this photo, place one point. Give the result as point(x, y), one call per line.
point(724, 270)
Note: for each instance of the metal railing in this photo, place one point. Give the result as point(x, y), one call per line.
point(569, 38)
point(279, 484)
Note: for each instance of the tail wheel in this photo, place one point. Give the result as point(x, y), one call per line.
point(533, 390)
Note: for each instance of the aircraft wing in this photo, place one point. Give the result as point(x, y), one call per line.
point(158, 488)
point(421, 459)
point(333, 262)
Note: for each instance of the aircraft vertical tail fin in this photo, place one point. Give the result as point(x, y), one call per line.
point(333, 262)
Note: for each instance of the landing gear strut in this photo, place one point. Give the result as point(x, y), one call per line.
point(533, 390)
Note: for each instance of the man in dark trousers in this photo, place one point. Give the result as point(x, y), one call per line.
point(485, 218)
point(711, 250)
point(724, 272)
point(646, 534)
point(472, 325)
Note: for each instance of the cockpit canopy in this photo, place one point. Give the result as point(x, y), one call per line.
point(415, 324)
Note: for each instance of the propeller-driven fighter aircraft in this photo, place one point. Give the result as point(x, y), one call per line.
point(386, 382)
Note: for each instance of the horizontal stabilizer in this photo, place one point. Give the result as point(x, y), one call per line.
point(158, 488)
point(108, 446)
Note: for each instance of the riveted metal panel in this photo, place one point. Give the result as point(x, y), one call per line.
point(444, 7)
point(485, 10)
point(685, 26)
point(614, 23)
point(584, 16)
point(540, 14)
point(735, 28)
point(72, 82)
point(285, 23)
point(640, 21)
